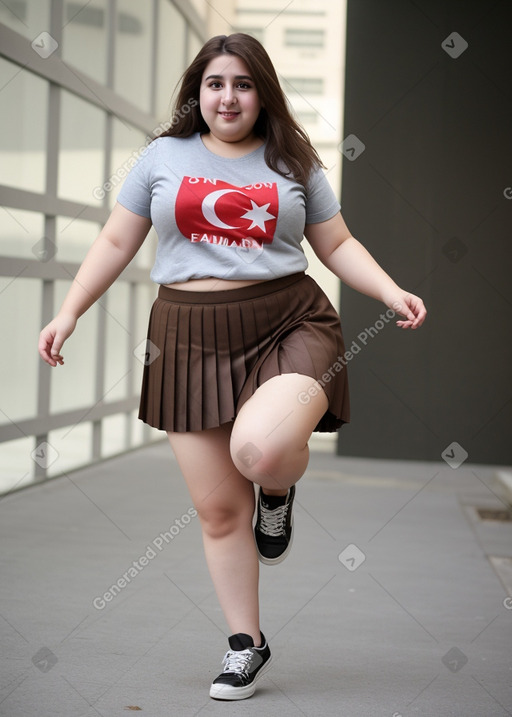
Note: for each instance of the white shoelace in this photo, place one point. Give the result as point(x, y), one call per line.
point(237, 661)
point(273, 521)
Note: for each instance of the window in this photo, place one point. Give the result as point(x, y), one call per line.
point(297, 37)
point(307, 117)
point(75, 387)
point(256, 32)
point(23, 128)
point(172, 36)
point(84, 37)
point(276, 11)
point(194, 44)
point(304, 85)
point(66, 144)
point(73, 238)
point(134, 42)
point(20, 232)
point(28, 17)
point(19, 387)
point(82, 154)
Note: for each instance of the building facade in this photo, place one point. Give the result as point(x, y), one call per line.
point(82, 87)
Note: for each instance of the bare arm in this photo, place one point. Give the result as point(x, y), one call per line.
point(116, 245)
point(353, 264)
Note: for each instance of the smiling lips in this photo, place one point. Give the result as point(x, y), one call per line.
point(229, 115)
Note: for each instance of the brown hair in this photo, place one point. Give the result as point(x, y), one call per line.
point(288, 149)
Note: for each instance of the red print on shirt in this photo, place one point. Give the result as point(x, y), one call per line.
point(213, 211)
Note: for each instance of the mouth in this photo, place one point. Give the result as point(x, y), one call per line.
point(229, 115)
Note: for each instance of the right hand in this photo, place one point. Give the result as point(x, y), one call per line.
point(53, 336)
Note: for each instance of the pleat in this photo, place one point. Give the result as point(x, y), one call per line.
point(168, 397)
point(307, 343)
point(214, 356)
point(238, 361)
point(181, 409)
point(152, 380)
point(209, 416)
point(226, 348)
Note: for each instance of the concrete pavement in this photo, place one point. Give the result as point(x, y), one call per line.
point(389, 604)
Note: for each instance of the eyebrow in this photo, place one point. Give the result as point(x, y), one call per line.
point(221, 77)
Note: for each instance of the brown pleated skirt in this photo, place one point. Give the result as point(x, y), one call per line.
point(209, 351)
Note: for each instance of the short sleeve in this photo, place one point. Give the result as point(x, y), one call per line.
point(135, 193)
point(321, 202)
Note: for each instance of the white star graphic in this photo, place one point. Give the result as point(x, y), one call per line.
point(258, 215)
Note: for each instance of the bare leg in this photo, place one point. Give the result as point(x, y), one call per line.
point(266, 445)
point(269, 441)
point(224, 500)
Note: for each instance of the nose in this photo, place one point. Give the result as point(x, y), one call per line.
point(228, 96)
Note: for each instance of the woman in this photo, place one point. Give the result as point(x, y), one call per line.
point(242, 335)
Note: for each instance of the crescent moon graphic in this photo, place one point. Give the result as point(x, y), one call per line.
point(208, 208)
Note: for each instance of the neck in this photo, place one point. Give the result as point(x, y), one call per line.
point(231, 149)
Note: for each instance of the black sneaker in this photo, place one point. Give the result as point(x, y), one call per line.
point(244, 664)
point(274, 526)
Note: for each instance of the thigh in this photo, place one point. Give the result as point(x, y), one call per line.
point(213, 481)
point(275, 417)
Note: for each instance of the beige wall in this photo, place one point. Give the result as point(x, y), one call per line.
point(221, 17)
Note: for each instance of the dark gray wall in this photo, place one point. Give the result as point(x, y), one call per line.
point(427, 197)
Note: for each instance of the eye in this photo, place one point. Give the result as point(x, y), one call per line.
point(215, 84)
point(244, 86)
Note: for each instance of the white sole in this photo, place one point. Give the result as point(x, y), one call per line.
point(226, 692)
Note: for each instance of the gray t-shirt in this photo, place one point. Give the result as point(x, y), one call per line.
point(220, 217)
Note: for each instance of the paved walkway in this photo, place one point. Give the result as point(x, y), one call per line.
point(389, 604)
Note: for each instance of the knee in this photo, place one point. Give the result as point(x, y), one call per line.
point(262, 460)
point(219, 521)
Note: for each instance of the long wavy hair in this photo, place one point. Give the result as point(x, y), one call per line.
point(288, 150)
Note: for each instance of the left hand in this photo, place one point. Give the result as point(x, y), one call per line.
point(409, 306)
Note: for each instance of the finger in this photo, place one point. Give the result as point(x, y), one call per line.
point(58, 341)
point(47, 358)
point(49, 350)
point(44, 350)
point(404, 309)
point(409, 319)
point(408, 324)
point(417, 311)
point(420, 313)
point(51, 359)
point(412, 324)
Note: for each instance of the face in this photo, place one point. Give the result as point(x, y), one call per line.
point(228, 99)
